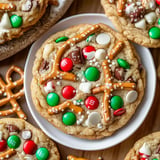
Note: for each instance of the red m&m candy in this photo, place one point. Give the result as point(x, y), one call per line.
point(68, 92)
point(66, 64)
point(119, 111)
point(29, 147)
point(158, 2)
point(92, 102)
point(89, 52)
point(3, 145)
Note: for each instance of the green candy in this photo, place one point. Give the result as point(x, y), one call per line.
point(89, 38)
point(61, 39)
point(116, 102)
point(13, 142)
point(154, 33)
point(16, 21)
point(42, 154)
point(92, 74)
point(154, 159)
point(52, 99)
point(69, 118)
point(159, 21)
point(122, 63)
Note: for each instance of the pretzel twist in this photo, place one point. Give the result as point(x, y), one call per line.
point(7, 6)
point(116, 49)
point(120, 7)
point(7, 154)
point(11, 97)
point(71, 157)
point(66, 45)
point(63, 106)
point(109, 87)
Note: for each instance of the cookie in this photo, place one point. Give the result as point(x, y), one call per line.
point(87, 81)
point(18, 16)
point(20, 140)
point(147, 148)
point(138, 20)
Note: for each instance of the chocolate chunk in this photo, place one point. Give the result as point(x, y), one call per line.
point(157, 151)
point(119, 73)
point(130, 79)
point(140, 67)
point(44, 65)
point(12, 128)
point(76, 56)
point(26, 134)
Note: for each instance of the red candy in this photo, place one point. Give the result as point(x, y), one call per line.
point(158, 2)
point(68, 92)
point(92, 103)
point(119, 111)
point(29, 147)
point(3, 145)
point(89, 52)
point(66, 64)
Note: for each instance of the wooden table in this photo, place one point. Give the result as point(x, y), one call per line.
point(118, 152)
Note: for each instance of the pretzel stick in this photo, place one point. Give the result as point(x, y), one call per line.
point(66, 45)
point(70, 157)
point(7, 6)
point(120, 7)
point(7, 154)
point(115, 50)
point(63, 106)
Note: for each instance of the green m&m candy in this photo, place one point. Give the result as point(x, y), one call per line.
point(16, 21)
point(42, 154)
point(154, 159)
point(154, 33)
point(61, 39)
point(159, 21)
point(122, 63)
point(52, 99)
point(69, 118)
point(116, 102)
point(90, 37)
point(92, 74)
point(13, 142)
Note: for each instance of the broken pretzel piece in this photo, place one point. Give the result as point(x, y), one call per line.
point(7, 154)
point(120, 7)
point(7, 6)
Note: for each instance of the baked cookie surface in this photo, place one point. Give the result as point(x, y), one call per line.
point(138, 20)
point(87, 81)
point(18, 16)
point(146, 148)
point(20, 140)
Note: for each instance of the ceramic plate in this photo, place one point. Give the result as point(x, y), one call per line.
point(120, 135)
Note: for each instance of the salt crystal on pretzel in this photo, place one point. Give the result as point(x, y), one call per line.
point(11, 97)
point(108, 88)
point(66, 45)
point(63, 106)
point(120, 7)
point(7, 6)
point(7, 154)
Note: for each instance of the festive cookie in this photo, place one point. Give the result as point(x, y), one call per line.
point(147, 148)
point(71, 157)
point(18, 16)
point(94, 81)
point(20, 140)
point(7, 96)
point(138, 20)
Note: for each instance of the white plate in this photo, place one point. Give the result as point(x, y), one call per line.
point(123, 133)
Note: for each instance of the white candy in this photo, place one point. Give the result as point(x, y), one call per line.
point(130, 8)
point(100, 54)
point(1, 135)
point(5, 22)
point(145, 149)
point(131, 96)
point(150, 17)
point(103, 38)
point(85, 87)
point(49, 87)
point(26, 134)
point(89, 55)
point(94, 118)
point(141, 24)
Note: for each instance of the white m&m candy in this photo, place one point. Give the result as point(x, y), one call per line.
point(100, 54)
point(94, 118)
point(131, 96)
point(103, 38)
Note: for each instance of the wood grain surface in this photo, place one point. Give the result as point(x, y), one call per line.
point(118, 152)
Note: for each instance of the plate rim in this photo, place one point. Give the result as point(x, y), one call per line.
point(80, 147)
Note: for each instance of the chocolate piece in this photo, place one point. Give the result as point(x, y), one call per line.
point(76, 56)
point(130, 79)
point(12, 128)
point(119, 73)
point(44, 65)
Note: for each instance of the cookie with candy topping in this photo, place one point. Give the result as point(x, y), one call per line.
point(91, 84)
point(18, 16)
point(138, 20)
point(146, 148)
point(21, 140)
